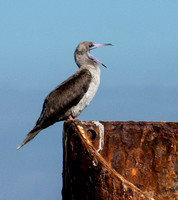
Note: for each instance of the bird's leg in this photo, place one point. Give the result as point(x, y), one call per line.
point(70, 117)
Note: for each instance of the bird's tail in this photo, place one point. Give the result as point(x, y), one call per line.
point(30, 136)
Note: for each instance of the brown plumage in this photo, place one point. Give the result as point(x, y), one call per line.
point(73, 95)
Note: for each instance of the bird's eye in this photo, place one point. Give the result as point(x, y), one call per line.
point(90, 45)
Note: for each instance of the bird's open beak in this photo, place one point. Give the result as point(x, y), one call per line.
point(94, 47)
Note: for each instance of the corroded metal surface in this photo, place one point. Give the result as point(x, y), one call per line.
point(137, 160)
point(145, 154)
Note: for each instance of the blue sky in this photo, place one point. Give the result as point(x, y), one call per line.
point(37, 42)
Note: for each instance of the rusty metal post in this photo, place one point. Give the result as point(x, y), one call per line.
point(119, 160)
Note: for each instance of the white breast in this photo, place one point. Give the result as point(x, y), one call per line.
point(88, 96)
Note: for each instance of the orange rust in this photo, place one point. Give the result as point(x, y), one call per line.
point(142, 153)
point(134, 171)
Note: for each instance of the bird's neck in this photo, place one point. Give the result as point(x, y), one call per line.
point(94, 69)
point(82, 60)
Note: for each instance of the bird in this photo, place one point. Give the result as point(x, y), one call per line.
point(69, 98)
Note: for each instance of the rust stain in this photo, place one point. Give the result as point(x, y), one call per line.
point(143, 153)
point(134, 171)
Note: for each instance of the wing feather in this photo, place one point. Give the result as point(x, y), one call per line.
point(63, 97)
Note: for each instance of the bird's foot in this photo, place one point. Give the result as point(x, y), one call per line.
point(70, 117)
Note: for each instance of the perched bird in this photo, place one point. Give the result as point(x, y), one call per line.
point(68, 99)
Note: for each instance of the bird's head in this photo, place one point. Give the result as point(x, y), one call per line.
point(82, 54)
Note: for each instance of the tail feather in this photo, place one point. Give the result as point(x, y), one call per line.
point(30, 136)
